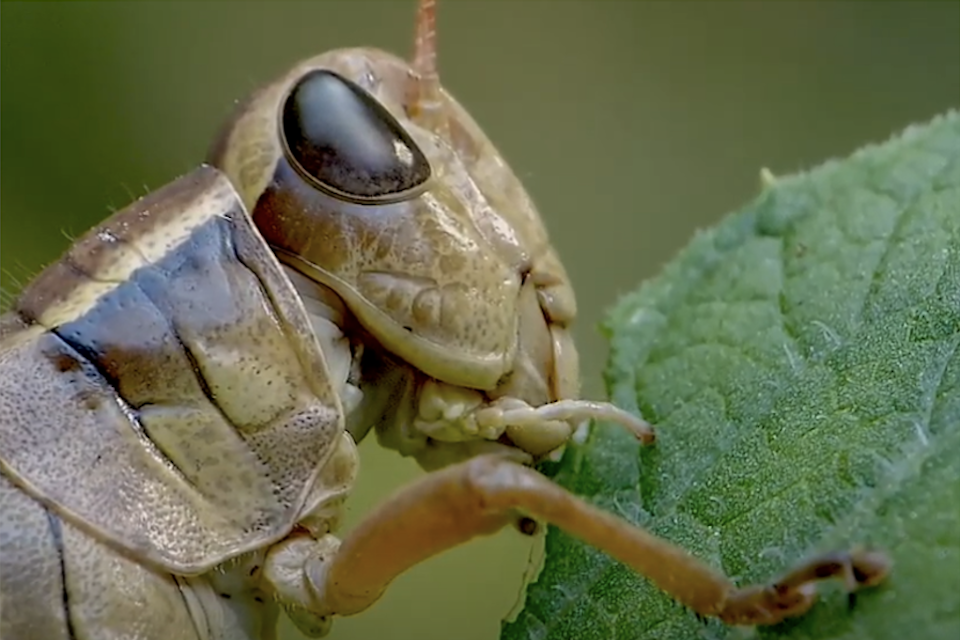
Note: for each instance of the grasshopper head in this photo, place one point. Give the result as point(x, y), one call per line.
point(365, 175)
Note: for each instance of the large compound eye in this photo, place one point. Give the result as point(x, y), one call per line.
point(347, 143)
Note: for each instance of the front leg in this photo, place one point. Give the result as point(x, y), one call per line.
point(478, 497)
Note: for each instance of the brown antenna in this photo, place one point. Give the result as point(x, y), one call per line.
point(424, 101)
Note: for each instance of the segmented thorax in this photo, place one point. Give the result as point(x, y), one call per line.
point(161, 386)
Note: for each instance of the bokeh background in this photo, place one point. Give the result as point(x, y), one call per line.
point(632, 124)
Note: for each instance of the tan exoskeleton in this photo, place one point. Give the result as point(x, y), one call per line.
point(183, 391)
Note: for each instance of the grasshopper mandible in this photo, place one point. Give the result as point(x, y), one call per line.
point(183, 391)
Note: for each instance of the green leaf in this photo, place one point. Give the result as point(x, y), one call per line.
point(800, 363)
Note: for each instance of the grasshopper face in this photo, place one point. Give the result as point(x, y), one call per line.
point(367, 177)
point(429, 243)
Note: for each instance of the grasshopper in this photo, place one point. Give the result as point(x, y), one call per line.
point(183, 391)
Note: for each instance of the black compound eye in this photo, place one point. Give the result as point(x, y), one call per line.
point(341, 137)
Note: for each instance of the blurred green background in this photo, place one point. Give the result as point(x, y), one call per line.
point(631, 123)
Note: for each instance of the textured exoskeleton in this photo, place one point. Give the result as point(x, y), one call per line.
point(182, 392)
